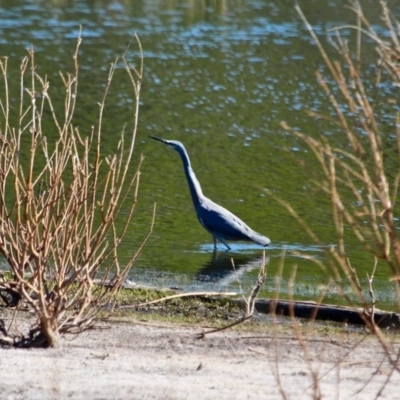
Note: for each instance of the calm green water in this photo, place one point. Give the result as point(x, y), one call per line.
point(219, 76)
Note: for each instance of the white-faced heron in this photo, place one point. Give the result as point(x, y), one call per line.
point(221, 223)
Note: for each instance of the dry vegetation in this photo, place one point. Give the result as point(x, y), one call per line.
point(356, 177)
point(59, 203)
point(363, 196)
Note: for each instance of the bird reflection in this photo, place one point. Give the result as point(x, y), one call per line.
point(225, 268)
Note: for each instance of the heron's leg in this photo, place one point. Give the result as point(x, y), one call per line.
point(215, 243)
point(222, 240)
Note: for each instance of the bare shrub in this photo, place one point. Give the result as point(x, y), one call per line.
point(59, 204)
point(356, 178)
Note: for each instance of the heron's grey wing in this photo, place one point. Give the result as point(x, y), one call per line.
point(221, 222)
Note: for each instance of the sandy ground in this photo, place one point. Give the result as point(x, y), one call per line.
point(134, 361)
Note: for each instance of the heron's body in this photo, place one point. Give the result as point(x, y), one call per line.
point(221, 223)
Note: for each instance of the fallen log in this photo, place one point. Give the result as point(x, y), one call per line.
point(315, 311)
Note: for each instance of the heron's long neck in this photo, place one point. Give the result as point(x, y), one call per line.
point(194, 184)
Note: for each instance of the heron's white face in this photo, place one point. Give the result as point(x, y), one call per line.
point(175, 144)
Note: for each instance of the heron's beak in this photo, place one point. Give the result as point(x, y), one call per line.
point(159, 139)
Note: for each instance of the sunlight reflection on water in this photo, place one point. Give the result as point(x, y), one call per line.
point(220, 79)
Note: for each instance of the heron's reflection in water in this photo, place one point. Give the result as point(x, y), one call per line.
point(225, 268)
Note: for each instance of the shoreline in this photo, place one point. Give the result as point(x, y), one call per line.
point(128, 360)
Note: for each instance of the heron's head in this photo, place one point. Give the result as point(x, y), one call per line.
point(174, 144)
